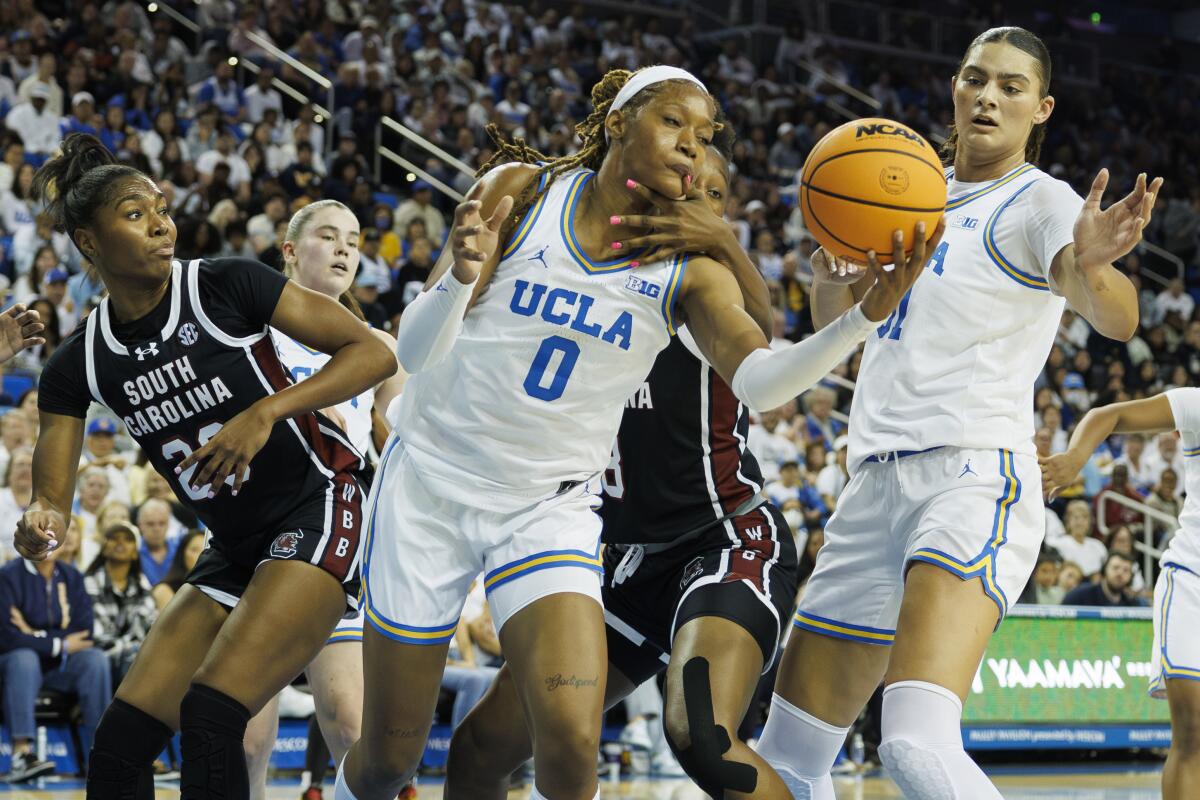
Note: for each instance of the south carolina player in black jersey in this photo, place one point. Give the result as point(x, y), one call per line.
point(699, 570)
point(182, 354)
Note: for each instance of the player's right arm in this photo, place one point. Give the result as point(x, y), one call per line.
point(763, 378)
point(1150, 415)
point(55, 456)
point(431, 322)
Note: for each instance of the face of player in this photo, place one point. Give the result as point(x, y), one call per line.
point(132, 239)
point(667, 140)
point(713, 181)
point(326, 256)
point(997, 101)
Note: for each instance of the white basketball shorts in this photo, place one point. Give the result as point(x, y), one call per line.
point(1176, 654)
point(423, 551)
point(975, 513)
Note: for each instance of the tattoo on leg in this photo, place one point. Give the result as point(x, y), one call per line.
point(557, 681)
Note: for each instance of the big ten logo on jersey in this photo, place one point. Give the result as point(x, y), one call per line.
point(963, 221)
point(635, 284)
point(564, 307)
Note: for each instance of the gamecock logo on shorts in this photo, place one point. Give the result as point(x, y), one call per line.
point(691, 571)
point(285, 544)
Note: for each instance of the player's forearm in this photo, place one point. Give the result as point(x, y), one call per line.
point(431, 323)
point(756, 297)
point(767, 379)
point(829, 301)
point(1110, 301)
point(1096, 426)
point(353, 369)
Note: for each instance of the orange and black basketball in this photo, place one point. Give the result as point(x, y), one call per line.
point(866, 179)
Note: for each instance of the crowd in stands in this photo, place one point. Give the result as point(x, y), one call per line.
point(235, 158)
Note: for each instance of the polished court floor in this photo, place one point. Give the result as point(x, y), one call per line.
point(1035, 786)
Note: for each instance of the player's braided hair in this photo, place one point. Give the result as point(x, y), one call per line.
point(1034, 46)
point(590, 131)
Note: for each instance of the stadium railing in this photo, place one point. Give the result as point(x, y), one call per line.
point(447, 158)
point(314, 76)
point(1150, 553)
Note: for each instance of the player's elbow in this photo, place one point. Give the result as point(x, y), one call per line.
point(379, 360)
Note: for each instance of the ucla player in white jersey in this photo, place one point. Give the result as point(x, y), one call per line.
point(320, 252)
point(942, 520)
point(511, 411)
point(1175, 658)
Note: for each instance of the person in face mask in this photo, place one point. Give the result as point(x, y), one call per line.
point(389, 242)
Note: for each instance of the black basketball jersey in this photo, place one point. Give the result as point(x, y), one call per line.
point(680, 462)
point(174, 387)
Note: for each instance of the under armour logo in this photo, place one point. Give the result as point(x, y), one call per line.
point(540, 255)
point(151, 349)
point(967, 470)
point(188, 334)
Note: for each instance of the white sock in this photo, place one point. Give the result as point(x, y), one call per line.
point(922, 745)
point(801, 749)
point(341, 791)
point(536, 795)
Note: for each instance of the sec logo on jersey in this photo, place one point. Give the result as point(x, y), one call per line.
point(189, 334)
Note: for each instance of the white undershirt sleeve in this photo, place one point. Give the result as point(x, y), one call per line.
point(430, 324)
point(767, 379)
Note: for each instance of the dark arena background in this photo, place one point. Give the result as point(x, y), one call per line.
point(243, 112)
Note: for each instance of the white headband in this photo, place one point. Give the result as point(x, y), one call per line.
point(648, 76)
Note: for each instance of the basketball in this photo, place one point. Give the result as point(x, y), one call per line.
point(866, 179)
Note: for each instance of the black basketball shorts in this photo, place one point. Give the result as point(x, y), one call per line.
point(743, 569)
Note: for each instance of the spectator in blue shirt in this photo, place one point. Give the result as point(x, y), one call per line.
point(792, 485)
point(83, 118)
point(158, 548)
point(819, 424)
point(222, 91)
point(46, 642)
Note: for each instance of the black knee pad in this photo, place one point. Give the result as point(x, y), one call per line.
point(213, 726)
point(703, 758)
point(121, 764)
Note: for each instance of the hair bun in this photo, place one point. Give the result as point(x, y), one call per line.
point(81, 153)
point(607, 88)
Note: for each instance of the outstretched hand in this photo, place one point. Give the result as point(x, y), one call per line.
point(891, 284)
point(828, 268)
point(474, 240)
point(19, 329)
point(1102, 237)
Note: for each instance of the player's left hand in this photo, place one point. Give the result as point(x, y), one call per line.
point(1102, 237)
point(1058, 472)
point(678, 224)
point(230, 451)
point(19, 329)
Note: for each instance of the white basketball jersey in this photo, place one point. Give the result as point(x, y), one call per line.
point(532, 392)
point(956, 362)
point(1184, 548)
point(302, 362)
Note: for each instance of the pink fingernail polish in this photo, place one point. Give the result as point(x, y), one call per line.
point(211, 495)
point(635, 263)
point(614, 220)
point(631, 183)
point(616, 245)
point(177, 470)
